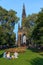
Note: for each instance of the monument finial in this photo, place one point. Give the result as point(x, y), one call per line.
point(23, 12)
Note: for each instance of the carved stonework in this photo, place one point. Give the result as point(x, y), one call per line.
point(21, 30)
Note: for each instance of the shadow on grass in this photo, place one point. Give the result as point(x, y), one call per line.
point(34, 50)
point(37, 61)
point(1, 55)
point(41, 54)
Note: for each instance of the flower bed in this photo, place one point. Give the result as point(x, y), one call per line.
point(19, 50)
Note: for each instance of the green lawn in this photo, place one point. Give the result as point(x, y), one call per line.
point(27, 58)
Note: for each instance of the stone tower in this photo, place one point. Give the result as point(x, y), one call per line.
point(23, 19)
point(21, 30)
point(19, 35)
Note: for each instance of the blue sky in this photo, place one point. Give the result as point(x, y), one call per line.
point(32, 6)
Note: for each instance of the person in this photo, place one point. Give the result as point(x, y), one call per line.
point(15, 55)
point(12, 56)
point(4, 55)
point(8, 55)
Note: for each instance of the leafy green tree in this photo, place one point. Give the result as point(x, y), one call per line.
point(37, 34)
point(7, 23)
point(29, 23)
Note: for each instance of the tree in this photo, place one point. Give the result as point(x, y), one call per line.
point(7, 23)
point(37, 33)
point(29, 23)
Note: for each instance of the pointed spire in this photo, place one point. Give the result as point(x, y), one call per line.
point(23, 6)
point(23, 12)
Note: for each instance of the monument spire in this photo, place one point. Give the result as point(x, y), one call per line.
point(21, 30)
point(23, 12)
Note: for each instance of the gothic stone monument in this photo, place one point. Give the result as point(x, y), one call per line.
point(21, 31)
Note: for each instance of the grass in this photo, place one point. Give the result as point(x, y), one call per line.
point(27, 58)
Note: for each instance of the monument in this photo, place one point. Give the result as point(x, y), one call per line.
point(21, 31)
